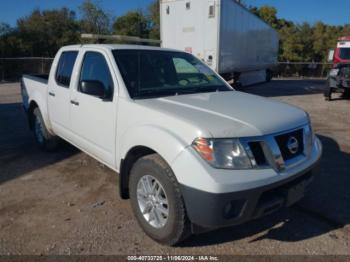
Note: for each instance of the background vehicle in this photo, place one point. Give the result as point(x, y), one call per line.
point(231, 40)
point(338, 80)
point(341, 54)
point(192, 153)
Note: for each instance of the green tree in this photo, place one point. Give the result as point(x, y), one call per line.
point(345, 30)
point(297, 43)
point(10, 45)
point(290, 44)
point(269, 15)
point(94, 19)
point(305, 32)
point(154, 17)
point(325, 37)
point(133, 23)
point(43, 32)
point(4, 29)
point(5, 40)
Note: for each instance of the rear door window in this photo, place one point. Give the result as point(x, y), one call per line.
point(65, 68)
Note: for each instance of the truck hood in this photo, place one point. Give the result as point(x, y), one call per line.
point(230, 114)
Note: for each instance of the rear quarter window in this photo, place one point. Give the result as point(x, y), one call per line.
point(65, 68)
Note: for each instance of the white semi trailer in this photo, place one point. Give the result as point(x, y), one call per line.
point(224, 34)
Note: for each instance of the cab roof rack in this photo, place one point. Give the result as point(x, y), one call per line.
point(124, 38)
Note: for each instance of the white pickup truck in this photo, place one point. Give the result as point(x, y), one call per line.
point(192, 153)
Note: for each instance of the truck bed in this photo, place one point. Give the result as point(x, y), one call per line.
point(34, 86)
point(43, 78)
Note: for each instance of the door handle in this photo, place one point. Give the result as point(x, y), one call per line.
point(74, 103)
point(51, 94)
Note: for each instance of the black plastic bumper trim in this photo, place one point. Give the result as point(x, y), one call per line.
point(210, 210)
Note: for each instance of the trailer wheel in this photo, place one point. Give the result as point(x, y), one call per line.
point(157, 202)
point(268, 75)
point(44, 139)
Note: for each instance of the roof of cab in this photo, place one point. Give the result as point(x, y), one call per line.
point(116, 47)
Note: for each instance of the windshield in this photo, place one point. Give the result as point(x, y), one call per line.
point(155, 73)
point(344, 53)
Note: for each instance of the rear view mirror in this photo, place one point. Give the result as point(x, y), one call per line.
point(330, 55)
point(92, 87)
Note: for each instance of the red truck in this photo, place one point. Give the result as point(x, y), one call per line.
point(339, 76)
point(341, 54)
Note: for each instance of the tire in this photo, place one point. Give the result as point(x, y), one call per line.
point(328, 94)
point(268, 75)
point(43, 138)
point(176, 226)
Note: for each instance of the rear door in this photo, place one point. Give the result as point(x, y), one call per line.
point(93, 119)
point(59, 93)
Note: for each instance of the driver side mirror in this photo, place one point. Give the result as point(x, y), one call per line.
point(92, 87)
point(330, 55)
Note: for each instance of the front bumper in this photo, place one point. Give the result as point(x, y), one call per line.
point(266, 192)
point(210, 210)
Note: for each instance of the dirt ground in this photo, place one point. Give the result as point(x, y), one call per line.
point(67, 203)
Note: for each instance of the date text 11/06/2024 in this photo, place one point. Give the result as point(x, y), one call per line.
point(172, 258)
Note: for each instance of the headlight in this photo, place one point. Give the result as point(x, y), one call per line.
point(309, 137)
point(333, 72)
point(308, 140)
point(222, 153)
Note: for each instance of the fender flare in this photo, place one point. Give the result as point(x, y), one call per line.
point(143, 140)
point(42, 105)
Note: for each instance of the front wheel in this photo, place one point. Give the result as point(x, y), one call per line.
point(157, 202)
point(328, 94)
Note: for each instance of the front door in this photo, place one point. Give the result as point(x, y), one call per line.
point(93, 118)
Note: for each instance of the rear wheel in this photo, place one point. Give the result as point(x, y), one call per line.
point(157, 202)
point(44, 139)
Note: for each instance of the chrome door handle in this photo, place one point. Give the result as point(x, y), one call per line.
point(51, 94)
point(74, 102)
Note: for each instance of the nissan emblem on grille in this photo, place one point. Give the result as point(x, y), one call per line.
point(293, 145)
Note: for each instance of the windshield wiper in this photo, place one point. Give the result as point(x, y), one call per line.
point(155, 94)
point(199, 90)
point(174, 92)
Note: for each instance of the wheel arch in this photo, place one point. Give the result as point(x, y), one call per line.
point(138, 142)
point(37, 101)
point(31, 108)
point(127, 163)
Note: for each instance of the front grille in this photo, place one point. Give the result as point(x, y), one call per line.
point(258, 153)
point(346, 83)
point(280, 150)
point(282, 141)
